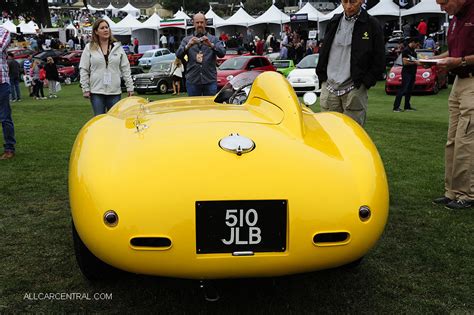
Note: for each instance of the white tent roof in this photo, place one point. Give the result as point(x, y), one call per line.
point(111, 23)
point(9, 26)
point(313, 14)
point(385, 7)
point(33, 24)
point(329, 16)
point(130, 9)
point(272, 15)
point(93, 9)
point(153, 22)
point(425, 6)
point(70, 27)
point(216, 20)
point(241, 17)
point(181, 15)
point(129, 22)
point(27, 28)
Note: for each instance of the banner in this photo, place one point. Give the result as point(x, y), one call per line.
point(404, 4)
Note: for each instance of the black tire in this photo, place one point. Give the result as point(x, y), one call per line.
point(436, 88)
point(445, 85)
point(162, 87)
point(91, 267)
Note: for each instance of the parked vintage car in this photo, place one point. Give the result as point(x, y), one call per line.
point(284, 66)
point(237, 65)
point(303, 78)
point(249, 183)
point(158, 79)
point(42, 56)
point(72, 58)
point(393, 47)
point(133, 71)
point(429, 77)
point(153, 56)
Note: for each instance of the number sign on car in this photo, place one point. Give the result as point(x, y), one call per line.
point(241, 225)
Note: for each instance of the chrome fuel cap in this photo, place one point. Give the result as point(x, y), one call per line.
point(237, 144)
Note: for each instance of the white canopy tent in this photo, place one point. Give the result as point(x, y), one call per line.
point(112, 9)
point(181, 15)
point(272, 16)
point(9, 26)
point(237, 23)
point(147, 34)
point(130, 10)
point(129, 22)
point(313, 14)
point(241, 18)
point(26, 28)
point(216, 20)
point(385, 7)
point(329, 16)
point(424, 7)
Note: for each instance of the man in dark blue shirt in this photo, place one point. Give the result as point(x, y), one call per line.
point(202, 50)
point(410, 63)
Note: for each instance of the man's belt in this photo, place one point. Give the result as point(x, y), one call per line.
point(464, 72)
point(467, 74)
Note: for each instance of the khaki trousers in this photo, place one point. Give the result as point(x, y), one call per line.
point(352, 104)
point(459, 152)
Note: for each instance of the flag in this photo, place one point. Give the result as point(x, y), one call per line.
point(241, 5)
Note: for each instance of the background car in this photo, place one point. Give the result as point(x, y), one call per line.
point(72, 58)
point(232, 53)
point(393, 49)
point(284, 66)
point(158, 79)
point(234, 66)
point(429, 77)
point(68, 74)
point(133, 71)
point(150, 57)
point(303, 78)
point(200, 189)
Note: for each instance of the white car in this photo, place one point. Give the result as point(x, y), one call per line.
point(304, 79)
point(151, 57)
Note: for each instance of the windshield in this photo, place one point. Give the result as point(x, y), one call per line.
point(233, 64)
point(308, 62)
point(161, 67)
point(238, 82)
point(281, 64)
point(148, 54)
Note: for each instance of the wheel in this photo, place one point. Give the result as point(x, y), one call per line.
point(162, 87)
point(436, 88)
point(91, 267)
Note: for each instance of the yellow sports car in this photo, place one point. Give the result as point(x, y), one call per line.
point(250, 183)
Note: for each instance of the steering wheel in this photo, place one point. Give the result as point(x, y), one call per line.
point(240, 95)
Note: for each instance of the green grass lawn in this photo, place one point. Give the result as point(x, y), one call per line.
point(424, 263)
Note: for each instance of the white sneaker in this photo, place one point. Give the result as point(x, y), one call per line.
point(44, 98)
point(55, 96)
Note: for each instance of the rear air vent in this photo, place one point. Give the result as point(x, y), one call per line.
point(331, 238)
point(151, 242)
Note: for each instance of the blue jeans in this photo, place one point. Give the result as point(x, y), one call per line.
point(103, 103)
point(6, 118)
point(15, 88)
point(201, 89)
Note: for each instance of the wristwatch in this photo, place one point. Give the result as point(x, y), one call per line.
point(463, 62)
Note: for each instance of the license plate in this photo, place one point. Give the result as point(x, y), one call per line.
point(241, 226)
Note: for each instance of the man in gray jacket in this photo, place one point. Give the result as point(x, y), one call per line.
point(202, 50)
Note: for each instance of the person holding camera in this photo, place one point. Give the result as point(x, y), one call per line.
point(202, 50)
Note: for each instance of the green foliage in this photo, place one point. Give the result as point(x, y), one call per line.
point(422, 264)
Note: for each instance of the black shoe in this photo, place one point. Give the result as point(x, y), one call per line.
point(411, 109)
point(442, 201)
point(397, 110)
point(459, 204)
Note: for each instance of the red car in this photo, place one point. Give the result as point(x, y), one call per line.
point(429, 78)
point(234, 66)
point(232, 53)
point(133, 58)
point(68, 74)
point(21, 53)
point(71, 58)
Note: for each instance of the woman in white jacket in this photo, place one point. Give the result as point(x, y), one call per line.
point(103, 64)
